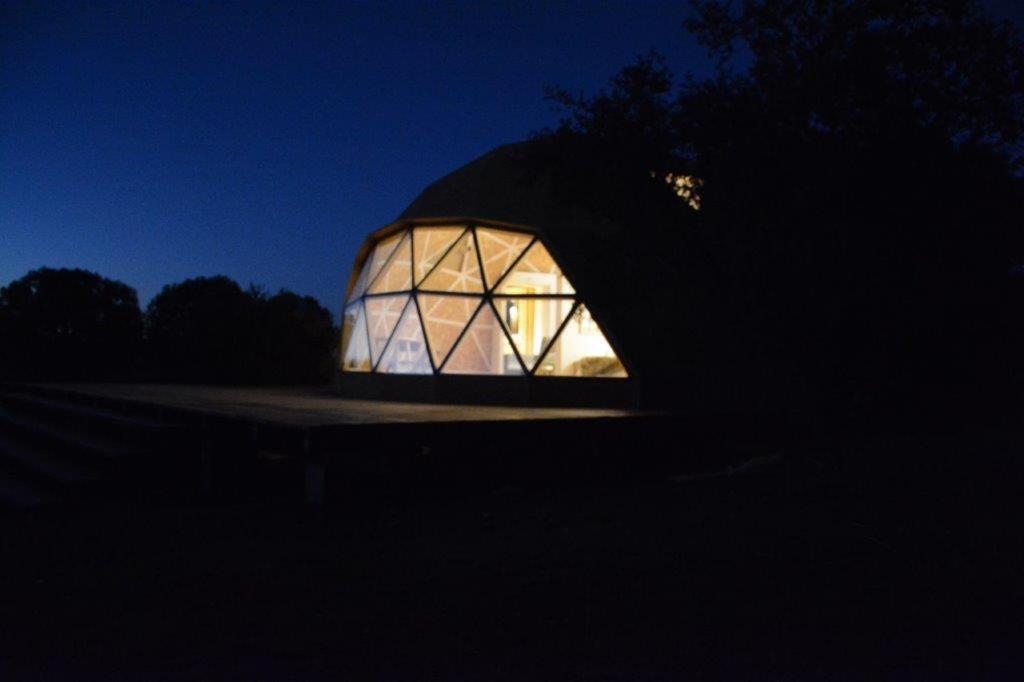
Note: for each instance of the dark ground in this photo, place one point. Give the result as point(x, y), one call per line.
point(898, 558)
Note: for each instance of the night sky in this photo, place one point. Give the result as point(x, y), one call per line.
point(152, 142)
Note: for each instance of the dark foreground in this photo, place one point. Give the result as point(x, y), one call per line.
point(893, 559)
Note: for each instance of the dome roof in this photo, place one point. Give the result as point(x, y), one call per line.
point(614, 233)
point(499, 185)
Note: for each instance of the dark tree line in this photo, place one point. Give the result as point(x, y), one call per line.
point(73, 325)
point(860, 211)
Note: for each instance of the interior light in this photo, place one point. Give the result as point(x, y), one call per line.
point(512, 316)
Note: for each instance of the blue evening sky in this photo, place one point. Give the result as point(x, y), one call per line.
point(156, 141)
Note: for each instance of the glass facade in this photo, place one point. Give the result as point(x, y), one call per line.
point(355, 348)
point(406, 352)
point(580, 350)
point(469, 299)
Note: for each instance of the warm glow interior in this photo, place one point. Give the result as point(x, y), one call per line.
point(457, 299)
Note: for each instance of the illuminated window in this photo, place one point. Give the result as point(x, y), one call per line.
point(396, 274)
point(499, 249)
point(382, 313)
point(431, 244)
point(374, 262)
point(355, 348)
point(538, 271)
point(483, 348)
point(581, 350)
point(532, 323)
point(444, 318)
point(406, 352)
point(458, 271)
point(484, 301)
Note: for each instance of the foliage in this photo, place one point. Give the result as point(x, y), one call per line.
point(69, 325)
point(209, 330)
point(198, 331)
point(73, 325)
point(857, 67)
point(295, 341)
point(859, 214)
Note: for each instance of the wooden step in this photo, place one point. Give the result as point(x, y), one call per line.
point(16, 493)
point(41, 466)
point(97, 449)
point(77, 411)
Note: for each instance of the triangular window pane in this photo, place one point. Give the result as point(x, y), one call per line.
point(375, 261)
point(483, 349)
point(581, 350)
point(457, 271)
point(355, 349)
point(498, 250)
point(444, 318)
point(397, 273)
point(532, 323)
point(407, 351)
point(430, 244)
point(536, 273)
point(360, 286)
point(382, 313)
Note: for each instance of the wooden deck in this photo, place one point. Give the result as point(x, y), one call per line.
point(229, 428)
point(312, 407)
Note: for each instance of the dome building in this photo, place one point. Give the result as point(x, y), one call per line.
point(465, 299)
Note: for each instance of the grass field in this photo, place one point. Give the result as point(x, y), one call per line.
point(900, 558)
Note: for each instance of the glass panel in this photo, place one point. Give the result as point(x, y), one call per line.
point(430, 243)
point(355, 349)
point(382, 313)
point(407, 351)
point(581, 350)
point(444, 318)
point(397, 274)
point(531, 323)
point(484, 349)
point(537, 271)
point(458, 271)
point(375, 261)
point(498, 249)
point(360, 286)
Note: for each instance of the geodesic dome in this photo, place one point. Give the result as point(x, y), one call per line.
point(468, 297)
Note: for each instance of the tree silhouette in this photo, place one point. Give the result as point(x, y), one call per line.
point(198, 331)
point(859, 212)
point(62, 324)
point(295, 341)
point(210, 330)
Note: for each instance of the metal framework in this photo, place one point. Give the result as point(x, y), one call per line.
point(389, 269)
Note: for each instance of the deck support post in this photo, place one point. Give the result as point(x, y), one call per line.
point(205, 461)
point(316, 472)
